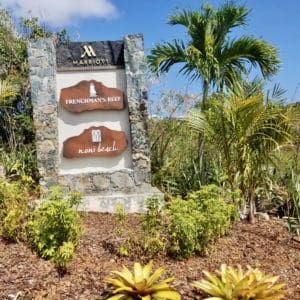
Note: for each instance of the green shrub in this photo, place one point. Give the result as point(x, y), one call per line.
point(14, 208)
point(64, 254)
point(54, 228)
point(200, 219)
point(182, 227)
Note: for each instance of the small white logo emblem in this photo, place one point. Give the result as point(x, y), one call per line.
point(96, 136)
point(93, 92)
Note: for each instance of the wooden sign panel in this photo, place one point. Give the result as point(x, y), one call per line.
point(91, 95)
point(95, 141)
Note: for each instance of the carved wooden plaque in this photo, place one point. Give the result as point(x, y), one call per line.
point(95, 141)
point(91, 95)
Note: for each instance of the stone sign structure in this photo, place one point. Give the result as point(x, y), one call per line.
point(90, 109)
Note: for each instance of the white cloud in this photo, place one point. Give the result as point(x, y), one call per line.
point(61, 12)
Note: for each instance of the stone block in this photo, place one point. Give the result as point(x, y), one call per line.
point(132, 202)
point(101, 182)
point(122, 180)
point(46, 146)
point(48, 109)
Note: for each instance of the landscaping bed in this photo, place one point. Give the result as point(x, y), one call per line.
point(265, 245)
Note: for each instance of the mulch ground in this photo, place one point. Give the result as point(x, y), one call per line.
point(265, 245)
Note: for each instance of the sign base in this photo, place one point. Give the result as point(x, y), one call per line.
point(132, 203)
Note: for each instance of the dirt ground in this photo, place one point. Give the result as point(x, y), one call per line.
point(265, 245)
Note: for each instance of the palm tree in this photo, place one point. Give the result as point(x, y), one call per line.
point(246, 131)
point(211, 54)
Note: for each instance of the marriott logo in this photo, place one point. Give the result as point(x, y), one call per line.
point(88, 51)
point(89, 58)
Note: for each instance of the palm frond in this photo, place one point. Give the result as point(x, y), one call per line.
point(244, 88)
point(198, 121)
point(228, 17)
point(254, 51)
point(183, 17)
point(277, 93)
point(163, 56)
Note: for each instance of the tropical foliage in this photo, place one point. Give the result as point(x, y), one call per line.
point(141, 284)
point(211, 54)
point(246, 131)
point(221, 61)
point(234, 284)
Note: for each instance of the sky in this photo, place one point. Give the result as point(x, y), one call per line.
point(276, 21)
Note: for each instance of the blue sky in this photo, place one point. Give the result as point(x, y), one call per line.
point(275, 21)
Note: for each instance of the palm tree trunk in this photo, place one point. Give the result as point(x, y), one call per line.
point(201, 136)
point(205, 88)
point(252, 208)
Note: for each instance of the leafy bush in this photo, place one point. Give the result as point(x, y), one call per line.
point(54, 228)
point(141, 284)
point(184, 226)
point(64, 254)
point(181, 228)
point(200, 219)
point(230, 284)
point(14, 208)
